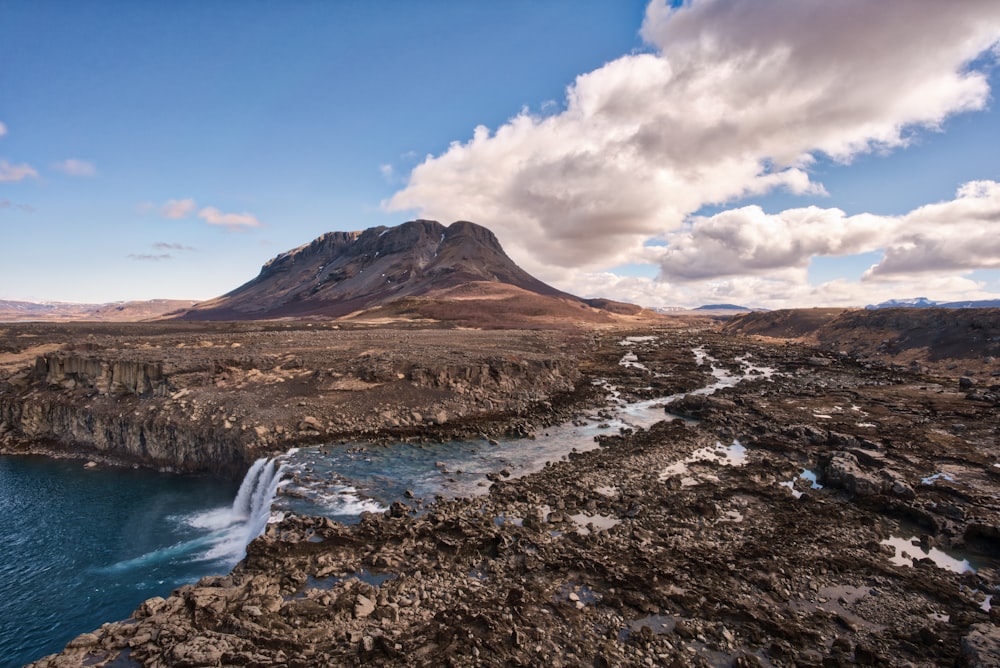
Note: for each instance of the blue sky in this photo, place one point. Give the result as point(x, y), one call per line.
point(167, 150)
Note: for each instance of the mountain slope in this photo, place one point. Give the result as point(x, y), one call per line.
point(903, 335)
point(420, 269)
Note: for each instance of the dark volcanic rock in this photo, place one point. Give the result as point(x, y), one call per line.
point(201, 396)
point(645, 550)
point(345, 272)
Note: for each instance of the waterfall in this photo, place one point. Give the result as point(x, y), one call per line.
point(241, 505)
point(252, 505)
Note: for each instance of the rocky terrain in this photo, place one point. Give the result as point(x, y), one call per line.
point(947, 341)
point(800, 518)
point(214, 397)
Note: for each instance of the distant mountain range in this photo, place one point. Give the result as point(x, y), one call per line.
point(19, 311)
point(923, 302)
point(708, 309)
point(420, 270)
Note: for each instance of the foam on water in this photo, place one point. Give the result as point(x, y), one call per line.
point(342, 481)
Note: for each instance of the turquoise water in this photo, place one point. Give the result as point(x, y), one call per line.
point(82, 547)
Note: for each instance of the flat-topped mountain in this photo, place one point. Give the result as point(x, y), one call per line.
point(418, 270)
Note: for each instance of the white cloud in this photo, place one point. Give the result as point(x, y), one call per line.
point(749, 241)
point(10, 173)
point(962, 234)
point(75, 167)
point(3, 129)
point(178, 208)
point(231, 221)
point(738, 99)
point(749, 256)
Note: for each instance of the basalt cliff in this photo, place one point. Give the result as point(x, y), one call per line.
point(209, 397)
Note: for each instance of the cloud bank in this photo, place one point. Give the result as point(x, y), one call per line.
point(734, 99)
point(961, 235)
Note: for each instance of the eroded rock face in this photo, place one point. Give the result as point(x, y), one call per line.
point(210, 398)
point(70, 372)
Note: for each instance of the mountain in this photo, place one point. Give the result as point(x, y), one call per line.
point(915, 302)
point(982, 303)
point(19, 311)
point(418, 270)
point(724, 307)
point(923, 302)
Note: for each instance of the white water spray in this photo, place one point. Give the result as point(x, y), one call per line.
point(223, 533)
point(253, 501)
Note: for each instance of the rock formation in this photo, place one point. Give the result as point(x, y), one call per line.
point(420, 269)
point(209, 397)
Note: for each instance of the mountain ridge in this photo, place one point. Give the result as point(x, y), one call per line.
point(924, 302)
point(406, 271)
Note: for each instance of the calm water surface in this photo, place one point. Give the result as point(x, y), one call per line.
point(82, 547)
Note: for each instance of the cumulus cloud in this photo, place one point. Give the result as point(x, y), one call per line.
point(75, 167)
point(959, 234)
point(11, 173)
point(762, 256)
point(749, 241)
point(178, 208)
point(231, 221)
point(737, 98)
point(962, 234)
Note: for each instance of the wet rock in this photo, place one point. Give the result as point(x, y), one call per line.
point(981, 646)
point(843, 470)
point(83, 641)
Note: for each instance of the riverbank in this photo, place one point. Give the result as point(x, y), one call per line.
point(768, 527)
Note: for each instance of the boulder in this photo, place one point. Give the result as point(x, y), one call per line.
point(843, 470)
